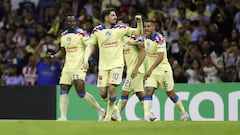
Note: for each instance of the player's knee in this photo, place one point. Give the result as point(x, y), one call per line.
point(103, 95)
point(124, 93)
point(112, 87)
point(149, 91)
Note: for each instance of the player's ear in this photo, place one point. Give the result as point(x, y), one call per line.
point(106, 18)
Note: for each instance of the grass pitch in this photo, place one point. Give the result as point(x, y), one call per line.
point(51, 127)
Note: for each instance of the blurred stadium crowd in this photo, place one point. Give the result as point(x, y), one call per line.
point(202, 36)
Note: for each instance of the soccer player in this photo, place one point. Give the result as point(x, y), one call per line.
point(134, 57)
point(73, 48)
point(159, 71)
point(109, 38)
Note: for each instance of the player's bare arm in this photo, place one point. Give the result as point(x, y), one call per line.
point(139, 29)
point(60, 54)
point(88, 52)
point(139, 44)
point(155, 64)
point(141, 56)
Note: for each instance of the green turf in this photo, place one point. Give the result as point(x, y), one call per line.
point(29, 127)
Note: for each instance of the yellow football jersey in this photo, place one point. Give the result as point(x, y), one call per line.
point(153, 45)
point(74, 44)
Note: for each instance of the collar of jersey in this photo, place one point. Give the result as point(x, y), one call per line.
point(153, 37)
point(75, 31)
point(104, 27)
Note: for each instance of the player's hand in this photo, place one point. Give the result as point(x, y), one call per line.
point(147, 75)
point(138, 18)
point(134, 73)
point(85, 65)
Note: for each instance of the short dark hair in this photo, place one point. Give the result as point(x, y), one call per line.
point(124, 19)
point(69, 14)
point(106, 12)
point(149, 20)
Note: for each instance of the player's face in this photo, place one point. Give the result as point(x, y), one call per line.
point(149, 28)
point(112, 18)
point(71, 22)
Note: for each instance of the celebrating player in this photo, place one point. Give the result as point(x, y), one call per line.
point(134, 57)
point(109, 38)
point(159, 71)
point(73, 47)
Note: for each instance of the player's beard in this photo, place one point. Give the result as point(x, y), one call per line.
point(148, 33)
point(113, 22)
point(71, 28)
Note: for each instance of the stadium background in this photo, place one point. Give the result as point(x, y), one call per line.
point(197, 33)
point(30, 25)
point(202, 37)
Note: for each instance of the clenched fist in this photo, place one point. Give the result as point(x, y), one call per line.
point(138, 18)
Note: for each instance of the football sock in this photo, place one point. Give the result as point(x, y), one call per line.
point(110, 107)
point(141, 100)
point(147, 105)
point(89, 99)
point(178, 104)
point(105, 99)
point(64, 101)
point(122, 102)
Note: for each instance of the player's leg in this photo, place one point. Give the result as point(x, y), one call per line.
point(126, 88)
point(178, 103)
point(150, 84)
point(140, 96)
point(111, 101)
point(79, 84)
point(65, 84)
point(147, 104)
point(168, 85)
point(102, 84)
point(120, 106)
point(138, 87)
point(123, 100)
point(115, 79)
point(64, 101)
point(103, 91)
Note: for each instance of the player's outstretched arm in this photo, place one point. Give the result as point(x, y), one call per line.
point(139, 29)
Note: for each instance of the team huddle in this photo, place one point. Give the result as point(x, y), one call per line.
point(142, 50)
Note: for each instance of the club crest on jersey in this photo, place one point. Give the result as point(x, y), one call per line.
point(148, 45)
point(68, 40)
point(52, 68)
point(108, 34)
